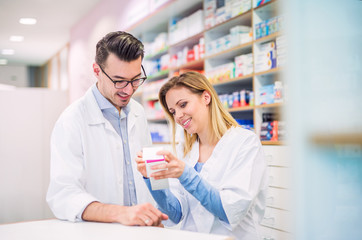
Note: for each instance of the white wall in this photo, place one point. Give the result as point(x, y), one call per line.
point(26, 120)
point(107, 16)
point(14, 75)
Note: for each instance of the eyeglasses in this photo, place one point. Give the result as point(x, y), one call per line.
point(123, 83)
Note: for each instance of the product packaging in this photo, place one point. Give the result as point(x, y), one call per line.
point(151, 159)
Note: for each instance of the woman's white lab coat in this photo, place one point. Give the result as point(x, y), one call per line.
point(238, 170)
point(87, 158)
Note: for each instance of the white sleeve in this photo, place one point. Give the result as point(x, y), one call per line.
point(66, 195)
point(244, 180)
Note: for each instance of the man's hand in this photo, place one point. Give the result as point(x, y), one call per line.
point(140, 215)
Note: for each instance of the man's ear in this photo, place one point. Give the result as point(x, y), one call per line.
point(96, 69)
point(206, 96)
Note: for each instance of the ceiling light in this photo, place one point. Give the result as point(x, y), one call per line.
point(27, 21)
point(7, 52)
point(16, 38)
point(3, 61)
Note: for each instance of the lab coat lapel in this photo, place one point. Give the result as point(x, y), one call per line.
point(93, 113)
point(132, 117)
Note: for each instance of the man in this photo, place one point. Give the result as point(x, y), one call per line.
point(93, 175)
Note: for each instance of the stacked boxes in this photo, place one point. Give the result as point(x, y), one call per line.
point(181, 29)
point(266, 94)
point(243, 65)
point(157, 45)
point(272, 93)
point(209, 13)
point(186, 55)
point(267, 27)
point(265, 58)
point(218, 11)
point(237, 99)
point(238, 35)
point(221, 73)
point(271, 128)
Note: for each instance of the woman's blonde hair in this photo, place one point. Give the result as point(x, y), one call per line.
point(221, 120)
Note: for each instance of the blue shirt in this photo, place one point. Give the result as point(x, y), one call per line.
point(119, 123)
point(190, 179)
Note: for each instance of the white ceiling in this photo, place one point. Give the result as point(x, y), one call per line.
point(43, 40)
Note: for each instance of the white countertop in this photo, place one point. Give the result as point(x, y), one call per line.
point(55, 229)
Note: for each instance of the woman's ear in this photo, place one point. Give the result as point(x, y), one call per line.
point(206, 96)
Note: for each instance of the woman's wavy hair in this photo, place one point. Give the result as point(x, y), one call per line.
point(221, 120)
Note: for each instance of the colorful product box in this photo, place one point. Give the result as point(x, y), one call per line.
point(266, 94)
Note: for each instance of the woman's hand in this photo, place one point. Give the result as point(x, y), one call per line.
point(141, 165)
point(173, 166)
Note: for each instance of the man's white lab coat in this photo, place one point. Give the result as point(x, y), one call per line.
point(87, 158)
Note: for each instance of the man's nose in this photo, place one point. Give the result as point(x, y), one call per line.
point(128, 89)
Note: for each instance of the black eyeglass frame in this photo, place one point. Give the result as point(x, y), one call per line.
point(142, 79)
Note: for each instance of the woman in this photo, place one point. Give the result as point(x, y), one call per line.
point(219, 172)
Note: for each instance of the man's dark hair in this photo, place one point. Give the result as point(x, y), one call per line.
point(124, 45)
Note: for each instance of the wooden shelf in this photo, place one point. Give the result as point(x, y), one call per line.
point(234, 80)
point(246, 14)
point(241, 109)
point(157, 55)
point(230, 50)
point(267, 38)
point(159, 75)
point(337, 138)
point(272, 105)
point(197, 64)
point(272, 143)
point(188, 40)
point(268, 72)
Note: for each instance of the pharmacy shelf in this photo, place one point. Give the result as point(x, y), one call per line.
point(190, 40)
point(337, 138)
point(269, 72)
point(197, 64)
point(272, 143)
point(244, 17)
point(161, 15)
point(158, 76)
point(157, 55)
point(241, 109)
point(253, 81)
point(272, 105)
point(232, 52)
point(268, 38)
point(245, 78)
